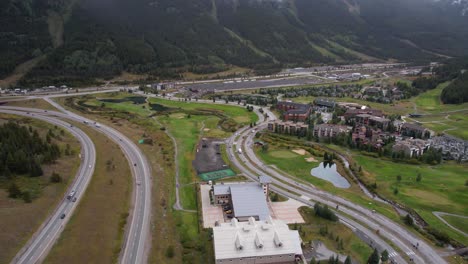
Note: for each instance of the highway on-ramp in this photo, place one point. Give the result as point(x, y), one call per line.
point(41, 242)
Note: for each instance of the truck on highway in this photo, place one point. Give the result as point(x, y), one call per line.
point(71, 194)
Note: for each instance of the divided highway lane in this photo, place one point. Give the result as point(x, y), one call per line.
point(280, 188)
point(39, 245)
point(135, 246)
point(398, 235)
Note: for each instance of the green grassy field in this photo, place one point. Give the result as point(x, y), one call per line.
point(291, 162)
point(103, 207)
point(449, 118)
point(400, 108)
point(352, 245)
point(296, 166)
point(238, 114)
point(458, 222)
point(442, 187)
point(187, 133)
point(429, 102)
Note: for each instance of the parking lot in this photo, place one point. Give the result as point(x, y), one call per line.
point(211, 213)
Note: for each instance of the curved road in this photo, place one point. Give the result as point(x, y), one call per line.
point(399, 236)
point(137, 238)
point(388, 229)
point(134, 251)
point(41, 242)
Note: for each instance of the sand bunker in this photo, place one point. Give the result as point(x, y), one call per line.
point(301, 152)
point(206, 129)
point(311, 159)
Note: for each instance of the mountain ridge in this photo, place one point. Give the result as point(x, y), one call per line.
point(163, 38)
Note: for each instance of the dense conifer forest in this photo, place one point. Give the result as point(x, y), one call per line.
point(23, 151)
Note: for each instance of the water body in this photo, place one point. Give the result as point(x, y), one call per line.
point(329, 173)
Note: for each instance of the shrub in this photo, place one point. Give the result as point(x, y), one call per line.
point(55, 178)
point(27, 197)
point(170, 252)
point(14, 191)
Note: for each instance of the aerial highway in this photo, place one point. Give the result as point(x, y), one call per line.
point(41, 242)
point(137, 238)
point(353, 215)
point(250, 165)
point(358, 218)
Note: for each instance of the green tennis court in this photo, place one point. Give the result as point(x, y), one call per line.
point(215, 175)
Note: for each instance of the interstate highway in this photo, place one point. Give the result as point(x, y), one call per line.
point(137, 237)
point(41, 242)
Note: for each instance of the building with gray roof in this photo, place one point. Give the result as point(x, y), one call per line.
point(247, 199)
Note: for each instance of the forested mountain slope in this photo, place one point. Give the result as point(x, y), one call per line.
point(165, 37)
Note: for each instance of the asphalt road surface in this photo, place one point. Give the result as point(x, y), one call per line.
point(135, 246)
point(251, 166)
point(41, 242)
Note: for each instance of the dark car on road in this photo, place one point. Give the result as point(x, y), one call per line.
point(62, 216)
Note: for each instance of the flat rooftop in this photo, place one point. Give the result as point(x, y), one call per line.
point(255, 238)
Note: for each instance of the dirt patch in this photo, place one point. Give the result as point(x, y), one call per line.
point(208, 157)
point(178, 115)
point(301, 152)
point(206, 129)
point(311, 159)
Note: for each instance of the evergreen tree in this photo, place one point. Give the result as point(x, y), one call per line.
point(374, 258)
point(409, 220)
point(384, 255)
point(27, 197)
point(347, 260)
point(14, 191)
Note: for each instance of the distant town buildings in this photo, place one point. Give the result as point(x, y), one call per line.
point(415, 131)
point(351, 113)
point(411, 147)
point(329, 130)
point(452, 148)
point(288, 127)
point(323, 102)
point(294, 111)
point(163, 86)
point(266, 241)
point(373, 121)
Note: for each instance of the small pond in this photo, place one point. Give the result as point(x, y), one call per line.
point(328, 172)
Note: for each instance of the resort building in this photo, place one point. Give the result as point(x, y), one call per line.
point(255, 242)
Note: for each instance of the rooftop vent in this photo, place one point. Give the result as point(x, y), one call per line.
point(258, 241)
point(239, 243)
point(277, 240)
point(234, 222)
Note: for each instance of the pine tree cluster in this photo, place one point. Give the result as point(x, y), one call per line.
point(22, 151)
